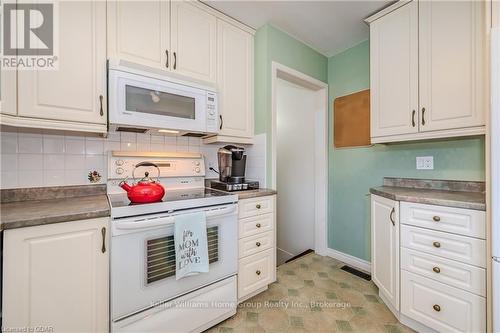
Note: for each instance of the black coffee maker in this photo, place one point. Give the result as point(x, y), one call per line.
point(232, 164)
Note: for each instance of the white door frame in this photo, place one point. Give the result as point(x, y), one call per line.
point(279, 71)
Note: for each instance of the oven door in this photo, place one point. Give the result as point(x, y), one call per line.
point(143, 258)
point(143, 101)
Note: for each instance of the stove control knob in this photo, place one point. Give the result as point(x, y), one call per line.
point(197, 170)
point(119, 171)
point(119, 162)
point(197, 163)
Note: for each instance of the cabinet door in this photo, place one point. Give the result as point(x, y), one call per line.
point(394, 72)
point(235, 80)
point(193, 41)
point(57, 276)
point(452, 64)
point(8, 87)
point(76, 91)
point(139, 31)
point(385, 248)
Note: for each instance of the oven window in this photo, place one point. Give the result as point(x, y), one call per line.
point(159, 103)
point(161, 255)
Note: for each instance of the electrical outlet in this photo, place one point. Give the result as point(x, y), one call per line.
point(425, 162)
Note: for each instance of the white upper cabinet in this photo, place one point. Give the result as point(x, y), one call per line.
point(452, 49)
point(139, 31)
point(235, 80)
point(385, 248)
point(428, 70)
point(57, 276)
point(8, 79)
point(394, 72)
point(76, 91)
point(193, 41)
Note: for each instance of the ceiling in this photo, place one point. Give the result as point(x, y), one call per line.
point(327, 26)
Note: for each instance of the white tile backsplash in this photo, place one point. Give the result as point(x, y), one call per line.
point(32, 158)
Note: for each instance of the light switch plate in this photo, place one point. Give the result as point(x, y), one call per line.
point(425, 162)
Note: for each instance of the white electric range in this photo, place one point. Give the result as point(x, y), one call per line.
point(145, 296)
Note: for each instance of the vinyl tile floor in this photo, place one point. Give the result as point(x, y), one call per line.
point(312, 294)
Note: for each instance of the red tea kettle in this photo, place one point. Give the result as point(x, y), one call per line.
point(145, 190)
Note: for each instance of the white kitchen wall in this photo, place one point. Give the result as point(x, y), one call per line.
point(34, 158)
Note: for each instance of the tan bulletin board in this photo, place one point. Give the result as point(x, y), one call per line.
point(351, 120)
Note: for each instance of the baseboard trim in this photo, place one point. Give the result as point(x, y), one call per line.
point(350, 260)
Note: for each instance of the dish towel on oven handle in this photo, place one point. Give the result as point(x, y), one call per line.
point(191, 245)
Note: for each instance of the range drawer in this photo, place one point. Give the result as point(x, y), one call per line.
point(254, 244)
point(453, 273)
point(441, 307)
point(255, 272)
point(256, 206)
point(255, 225)
point(464, 249)
point(455, 220)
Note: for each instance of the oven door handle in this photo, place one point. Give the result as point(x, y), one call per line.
point(171, 219)
point(144, 224)
point(221, 211)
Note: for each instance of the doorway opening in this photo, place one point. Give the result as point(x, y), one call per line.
point(299, 163)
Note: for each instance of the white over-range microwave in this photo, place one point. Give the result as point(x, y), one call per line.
point(142, 100)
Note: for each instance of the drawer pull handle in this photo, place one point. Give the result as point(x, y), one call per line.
point(257, 272)
point(258, 225)
point(258, 244)
point(436, 307)
point(258, 206)
point(437, 269)
point(436, 244)
point(436, 218)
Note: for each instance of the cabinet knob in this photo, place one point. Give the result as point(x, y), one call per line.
point(436, 218)
point(391, 216)
point(436, 307)
point(423, 116)
point(258, 225)
point(258, 206)
point(103, 233)
point(437, 269)
point(258, 244)
point(257, 272)
point(436, 244)
point(413, 118)
point(166, 62)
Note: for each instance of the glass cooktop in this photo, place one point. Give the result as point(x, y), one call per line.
point(172, 200)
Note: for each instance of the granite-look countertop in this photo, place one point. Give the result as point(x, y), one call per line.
point(245, 194)
point(460, 194)
point(37, 206)
point(261, 192)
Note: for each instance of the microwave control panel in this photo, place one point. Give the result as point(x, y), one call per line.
point(212, 112)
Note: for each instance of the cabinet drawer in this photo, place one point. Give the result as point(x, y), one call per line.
point(441, 307)
point(255, 272)
point(256, 225)
point(255, 244)
point(256, 206)
point(455, 220)
point(453, 273)
point(464, 249)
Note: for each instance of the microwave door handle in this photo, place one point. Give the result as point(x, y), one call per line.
point(221, 211)
point(144, 224)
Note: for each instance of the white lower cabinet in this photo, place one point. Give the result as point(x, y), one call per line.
point(56, 276)
point(441, 307)
point(385, 249)
point(443, 273)
point(257, 245)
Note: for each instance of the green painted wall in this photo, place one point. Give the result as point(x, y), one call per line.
point(271, 45)
point(353, 171)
